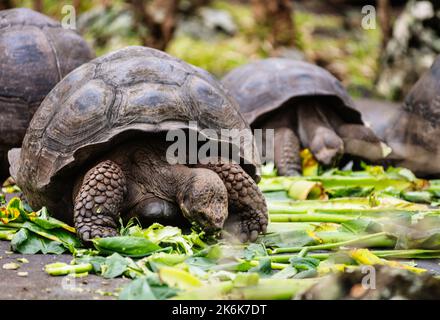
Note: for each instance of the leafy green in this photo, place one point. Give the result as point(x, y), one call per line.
point(126, 245)
point(95, 261)
point(264, 267)
point(167, 236)
point(305, 267)
point(417, 196)
point(360, 225)
point(147, 288)
point(114, 266)
point(254, 250)
point(354, 191)
point(26, 242)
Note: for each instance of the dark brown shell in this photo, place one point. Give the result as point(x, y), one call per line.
point(265, 85)
point(35, 54)
point(423, 100)
point(131, 90)
point(414, 131)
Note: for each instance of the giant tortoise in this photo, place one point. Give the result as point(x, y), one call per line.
point(97, 148)
point(35, 54)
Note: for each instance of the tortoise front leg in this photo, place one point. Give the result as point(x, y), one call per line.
point(286, 152)
point(359, 140)
point(99, 199)
point(317, 134)
point(247, 205)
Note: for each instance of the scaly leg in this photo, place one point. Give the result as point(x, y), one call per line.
point(287, 149)
point(359, 140)
point(247, 205)
point(317, 134)
point(97, 204)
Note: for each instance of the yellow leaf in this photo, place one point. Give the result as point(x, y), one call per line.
point(303, 190)
point(313, 235)
point(178, 278)
point(366, 257)
point(310, 165)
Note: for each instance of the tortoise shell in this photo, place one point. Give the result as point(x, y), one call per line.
point(119, 96)
point(423, 100)
point(266, 85)
point(414, 131)
point(35, 54)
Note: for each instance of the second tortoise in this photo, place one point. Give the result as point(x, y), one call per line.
point(307, 107)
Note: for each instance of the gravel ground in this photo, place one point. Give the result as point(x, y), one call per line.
point(39, 285)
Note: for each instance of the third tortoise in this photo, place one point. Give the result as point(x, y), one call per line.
point(412, 128)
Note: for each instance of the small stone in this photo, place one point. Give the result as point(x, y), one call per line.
point(23, 260)
point(99, 177)
point(22, 274)
point(11, 266)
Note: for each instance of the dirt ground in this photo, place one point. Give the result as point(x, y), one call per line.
point(39, 285)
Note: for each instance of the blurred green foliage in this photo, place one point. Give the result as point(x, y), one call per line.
point(336, 42)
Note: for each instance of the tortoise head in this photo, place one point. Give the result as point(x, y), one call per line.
point(203, 199)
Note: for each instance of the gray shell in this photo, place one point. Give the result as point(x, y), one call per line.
point(423, 101)
point(265, 85)
point(35, 54)
point(414, 132)
point(129, 91)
